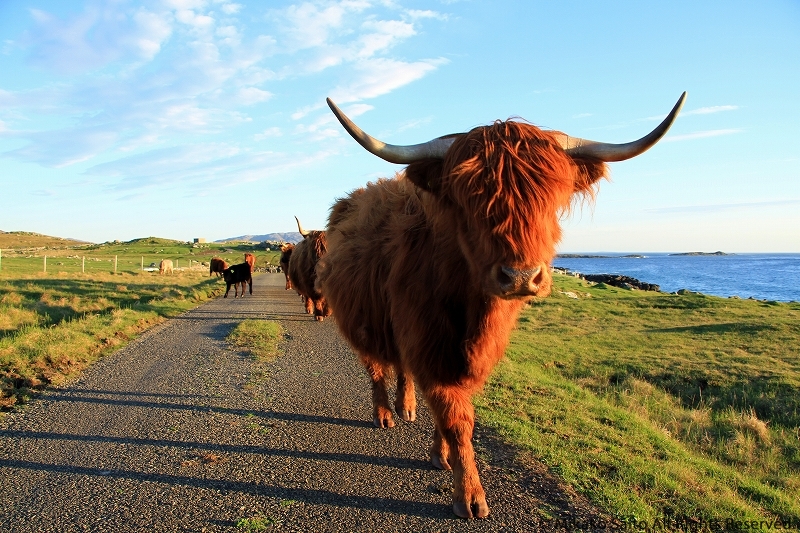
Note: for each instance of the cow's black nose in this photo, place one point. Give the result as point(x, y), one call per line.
point(513, 282)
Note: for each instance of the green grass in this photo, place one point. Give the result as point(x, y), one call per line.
point(24, 257)
point(53, 326)
point(255, 523)
point(655, 404)
point(259, 337)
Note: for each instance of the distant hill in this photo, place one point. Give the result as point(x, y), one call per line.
point(29, 239)
point(154, 240)
point(292, 236)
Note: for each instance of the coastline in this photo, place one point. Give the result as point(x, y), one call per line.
point(766, 277)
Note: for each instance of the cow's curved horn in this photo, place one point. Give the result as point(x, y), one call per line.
point(577, 147)
point(394, 153)
point(303, 232)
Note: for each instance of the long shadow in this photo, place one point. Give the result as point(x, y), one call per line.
point(394, 462)
point(291, 417)
point(728, 327)
point(309, 495)
point(127, 393)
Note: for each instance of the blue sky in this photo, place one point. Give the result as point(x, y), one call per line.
point(207, 118)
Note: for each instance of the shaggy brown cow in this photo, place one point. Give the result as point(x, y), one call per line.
point(286, 255)
point(217, 266)
point(250, 259)
point(165, 266)
point(427, 272)
point(302, 273)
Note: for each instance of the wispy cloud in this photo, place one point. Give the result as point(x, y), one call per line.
point(376, 77)
point(700, 135)
point(710, 208)
point(140, 86)
point(709, 110)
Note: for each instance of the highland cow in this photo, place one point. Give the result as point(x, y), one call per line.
point(302, 271)
point(427, 272)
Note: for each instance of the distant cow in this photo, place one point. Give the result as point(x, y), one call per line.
point(286, 254)
point(427, 272)
point(165, 267)
point(217, 266)
point(302, 271)
point(237, 275)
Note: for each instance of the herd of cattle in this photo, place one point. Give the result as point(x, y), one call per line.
point(426, 273)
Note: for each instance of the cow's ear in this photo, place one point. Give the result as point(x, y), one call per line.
point(426, 174)
point(588, 173)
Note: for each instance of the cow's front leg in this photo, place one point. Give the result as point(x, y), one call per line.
point(405, 402)
point(381, 413)
point(227, 290)
point(455, 420)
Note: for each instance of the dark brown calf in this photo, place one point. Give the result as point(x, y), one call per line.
point(217, 266)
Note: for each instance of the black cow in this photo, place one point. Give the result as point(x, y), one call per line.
point(236, 275)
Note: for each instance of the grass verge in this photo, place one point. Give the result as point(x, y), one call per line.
point(52, 327)
point(657, 405)
point(259, 337)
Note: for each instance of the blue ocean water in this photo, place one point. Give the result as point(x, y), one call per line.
point(761, 276)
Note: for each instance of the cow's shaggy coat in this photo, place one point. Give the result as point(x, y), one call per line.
point(302, 272)
point(217, 266)
point(416, 274)
point(286, 255)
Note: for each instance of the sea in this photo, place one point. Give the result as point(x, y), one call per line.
point(759, 276)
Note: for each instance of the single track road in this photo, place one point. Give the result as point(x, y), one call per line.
point(178, 431)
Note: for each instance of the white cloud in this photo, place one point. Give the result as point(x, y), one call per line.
point(426, 14)
point(274, 131)
point(378, 76)
point(709, 110)
point(700, 135)
point(252, 95)
point(231, 9)
point(384, 34)
point(95, 38)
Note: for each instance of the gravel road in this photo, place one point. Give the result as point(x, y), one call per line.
point(178, 431)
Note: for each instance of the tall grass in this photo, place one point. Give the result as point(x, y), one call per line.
point(658, 405)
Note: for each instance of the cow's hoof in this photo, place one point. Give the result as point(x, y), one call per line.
point(475, 510)
point(407, 415)
point(319, 318)
point(440, 463)
point(383, 423)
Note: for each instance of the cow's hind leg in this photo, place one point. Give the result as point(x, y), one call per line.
point(455, 420)
point(405, 402)
point(309, 303)
point(381, 412)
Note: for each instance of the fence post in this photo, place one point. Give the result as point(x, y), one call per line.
point(142, 263)
point(115, 264)
point(83, 265)
point(1, 259)
point(45, 264)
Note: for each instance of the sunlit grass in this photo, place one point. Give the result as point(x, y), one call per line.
point(53, 327)
point(259, 337)
point(654, 404)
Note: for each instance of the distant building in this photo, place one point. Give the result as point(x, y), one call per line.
point(199, 240)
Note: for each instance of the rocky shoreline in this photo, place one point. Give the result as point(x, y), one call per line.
point(615, 280)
